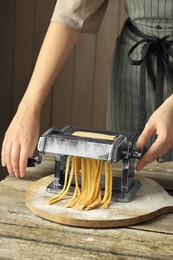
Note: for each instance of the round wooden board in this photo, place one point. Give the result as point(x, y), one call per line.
point(150, 201)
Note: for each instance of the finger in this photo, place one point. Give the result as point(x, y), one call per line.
point(147, 158)
point(3, 161)
point(148, 131)
point(24, 154)
point(8, 158)
point(158, 149)
point(15, 155)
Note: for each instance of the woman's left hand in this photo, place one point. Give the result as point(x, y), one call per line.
point(161, 125)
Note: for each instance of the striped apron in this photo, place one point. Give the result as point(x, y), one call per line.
point(142, 67)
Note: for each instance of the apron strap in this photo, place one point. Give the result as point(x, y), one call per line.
point(161, 47)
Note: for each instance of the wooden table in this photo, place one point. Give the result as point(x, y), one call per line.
point(26, 236)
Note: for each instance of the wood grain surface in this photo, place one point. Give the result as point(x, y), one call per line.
point(151, 201)
point(24, 235)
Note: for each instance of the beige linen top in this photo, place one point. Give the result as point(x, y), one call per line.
point(80, 15)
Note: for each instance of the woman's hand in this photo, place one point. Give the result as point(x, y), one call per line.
point(161, 125)
point(20, 141)
point(22, 135)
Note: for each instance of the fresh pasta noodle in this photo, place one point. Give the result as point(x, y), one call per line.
point(88, 195)
point(66, 187)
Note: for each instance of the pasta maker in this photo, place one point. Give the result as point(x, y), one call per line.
point(62, 143)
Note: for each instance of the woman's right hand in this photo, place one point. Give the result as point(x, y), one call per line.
point(22, 135)
point(20, 141)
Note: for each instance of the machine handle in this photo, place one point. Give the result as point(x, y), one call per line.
point(33, 162)
point(138, 153)
point(131, 152)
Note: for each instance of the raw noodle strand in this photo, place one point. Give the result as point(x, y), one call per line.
point(107, 202)
point(77, 189)
point(65, 181)
point(61, 196)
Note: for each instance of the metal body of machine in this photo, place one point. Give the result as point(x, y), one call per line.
point(62, 143)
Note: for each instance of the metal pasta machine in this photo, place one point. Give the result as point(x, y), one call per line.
point(62, 143)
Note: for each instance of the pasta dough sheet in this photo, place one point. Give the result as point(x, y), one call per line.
point(94, 135)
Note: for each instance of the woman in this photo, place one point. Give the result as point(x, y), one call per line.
point(151, 18)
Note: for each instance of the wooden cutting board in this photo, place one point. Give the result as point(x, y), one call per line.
point(150, 201)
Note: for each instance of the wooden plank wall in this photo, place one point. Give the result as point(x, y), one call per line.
point(79, 94)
